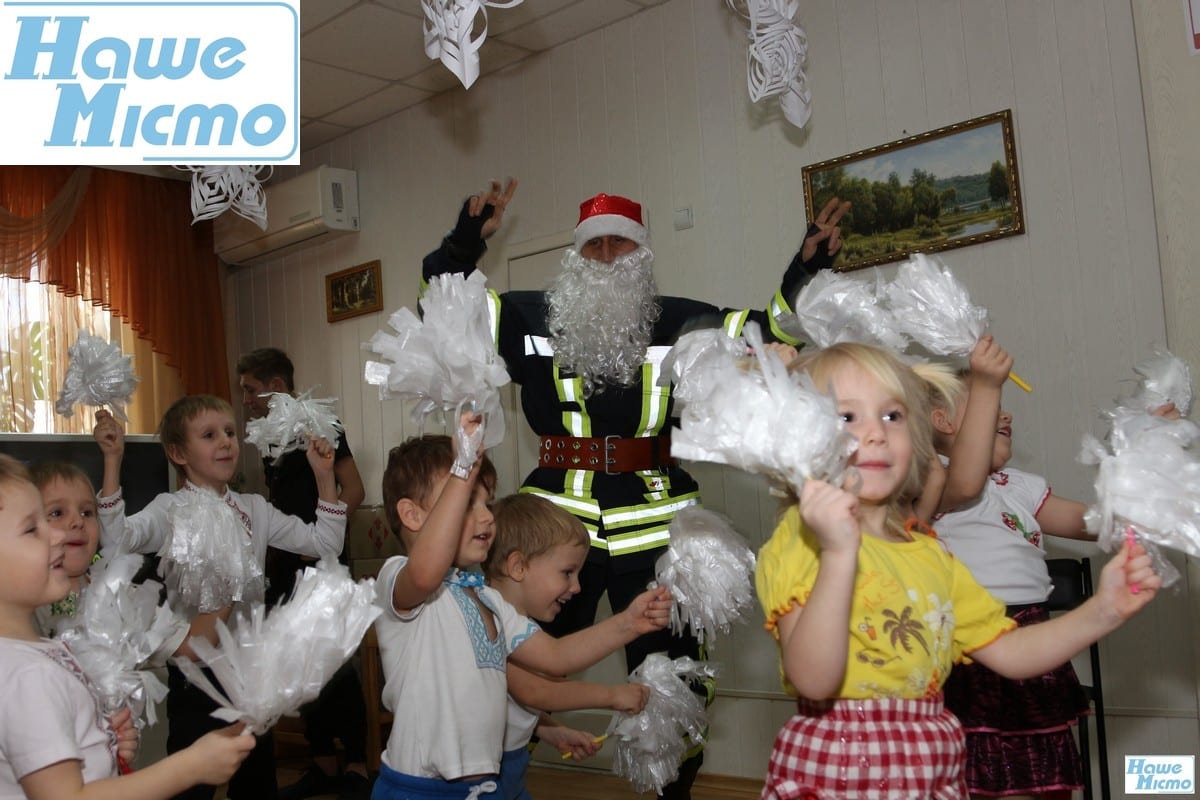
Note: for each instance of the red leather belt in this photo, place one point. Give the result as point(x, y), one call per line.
point(605, 453)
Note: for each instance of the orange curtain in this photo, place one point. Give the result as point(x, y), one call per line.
point(130, 246)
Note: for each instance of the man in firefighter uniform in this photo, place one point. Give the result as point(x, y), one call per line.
point(587, 354)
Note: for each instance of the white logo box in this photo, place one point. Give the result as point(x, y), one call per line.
point(1160, 775)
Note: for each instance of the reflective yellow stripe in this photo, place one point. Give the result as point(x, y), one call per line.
point(734, 321)
point(494, 315)
point(587, 510)
point(654, 400)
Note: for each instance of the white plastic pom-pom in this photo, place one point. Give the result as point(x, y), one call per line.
point(833, 308)
point(208, 561)
point(290, 423)
point(709, 570)
point(269, 666)
point(934, 309)
point(1165, 378)
point(118, 627)
point(651, 745)
point(446, 360)
point(757, 417)
point(98, 374)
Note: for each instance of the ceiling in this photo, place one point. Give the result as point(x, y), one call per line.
point(363, 60)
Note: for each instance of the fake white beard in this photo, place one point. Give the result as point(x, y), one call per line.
point(602, 316)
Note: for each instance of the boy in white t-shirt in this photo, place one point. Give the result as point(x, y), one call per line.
point(534, 564)
point(445, 638)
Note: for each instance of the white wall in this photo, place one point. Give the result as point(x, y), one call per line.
point(655, 107)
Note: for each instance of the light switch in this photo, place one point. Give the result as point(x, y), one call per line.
point(683, 218)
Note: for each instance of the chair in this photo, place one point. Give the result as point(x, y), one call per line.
point(1072, 584)
point(379, 719)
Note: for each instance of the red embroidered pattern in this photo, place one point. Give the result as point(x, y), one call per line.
point(62, 656)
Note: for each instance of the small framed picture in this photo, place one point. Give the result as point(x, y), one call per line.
point(950, 187)
point(354, 292)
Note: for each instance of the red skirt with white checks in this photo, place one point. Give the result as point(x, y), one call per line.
point(868, 750)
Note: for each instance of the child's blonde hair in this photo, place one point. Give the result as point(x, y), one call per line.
point(530, 525)
point(911, 385)
point(947, 386)
point(11, 471)
point(172, 431)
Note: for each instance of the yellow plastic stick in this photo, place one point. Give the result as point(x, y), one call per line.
point(597, 740)
point(1012, 376)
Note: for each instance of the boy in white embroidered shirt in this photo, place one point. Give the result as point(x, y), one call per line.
point(200, 438)
point(444, 637)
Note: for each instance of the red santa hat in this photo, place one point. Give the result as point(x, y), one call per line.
point(610, 215)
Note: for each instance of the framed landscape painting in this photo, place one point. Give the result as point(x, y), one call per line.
point(947, 188)
point(353, 292)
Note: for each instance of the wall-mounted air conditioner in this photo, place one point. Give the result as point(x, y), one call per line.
point(311, 208)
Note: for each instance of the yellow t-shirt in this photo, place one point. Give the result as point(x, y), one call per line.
point(916, 609)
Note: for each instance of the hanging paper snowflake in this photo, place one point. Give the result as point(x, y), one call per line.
point(775, 58)
point(448, 28)
point(217, 189)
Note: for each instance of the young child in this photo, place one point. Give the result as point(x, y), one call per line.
point(534, 564)
point(55, 742)
point(200, 438)
point(870, 612)
point(1019, 739)
point(70, 502)
point(445, 638)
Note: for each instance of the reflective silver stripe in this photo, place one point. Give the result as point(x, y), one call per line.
point(656, 354)
point(538, 346)
point(623, 519)
point(574, 505)
point(572, 420)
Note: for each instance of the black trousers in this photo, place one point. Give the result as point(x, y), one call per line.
point(338, 711)
point(188, 719)
point(594, 580)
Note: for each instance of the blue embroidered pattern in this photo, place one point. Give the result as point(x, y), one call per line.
point(488, 654)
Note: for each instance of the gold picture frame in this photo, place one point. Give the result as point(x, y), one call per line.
point(354, 292)
point(950, 187)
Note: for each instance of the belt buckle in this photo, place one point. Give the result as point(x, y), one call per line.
point(609, 447)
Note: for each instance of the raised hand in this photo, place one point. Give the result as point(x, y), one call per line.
point(320, 455)
point(990, 362)
point(498, 199)
point(109, 435)
point(832, 514)
point(828, 230)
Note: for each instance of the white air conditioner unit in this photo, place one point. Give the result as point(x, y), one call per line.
point(311, 208)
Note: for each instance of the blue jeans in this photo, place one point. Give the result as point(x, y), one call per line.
point(512, 774)
point(392, 785)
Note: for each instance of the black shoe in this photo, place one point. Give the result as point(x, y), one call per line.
point(354, 787)
point(311, 783)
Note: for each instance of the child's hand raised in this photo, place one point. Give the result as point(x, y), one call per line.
point(832, 514)
point(109, 435)
point(468, 444)
point(320, 455)
point(1128, 582)
point(990, 362)
point(650, 611)
point(1167, 411)
point(219, 754)
point(630, 698)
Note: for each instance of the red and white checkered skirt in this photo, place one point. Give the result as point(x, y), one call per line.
point(868, 750)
